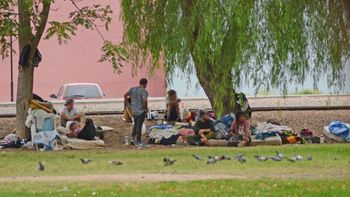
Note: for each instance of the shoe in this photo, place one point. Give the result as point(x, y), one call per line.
point(132, 142)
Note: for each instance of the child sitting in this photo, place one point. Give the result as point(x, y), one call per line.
point(240, 130)
point(172, 107)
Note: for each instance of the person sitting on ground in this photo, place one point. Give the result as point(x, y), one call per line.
point(240, 130)
point(69, 113)
point(75, 130)
point(127, 116)
point(204, 127)
point(189, 116)
point(172, 107)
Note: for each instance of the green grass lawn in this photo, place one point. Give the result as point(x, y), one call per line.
point(322, 176)
point(260, 187)
point(24, 163)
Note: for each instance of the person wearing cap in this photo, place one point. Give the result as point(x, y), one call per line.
point(69, 113)
point(139, 108)
point(204, 127)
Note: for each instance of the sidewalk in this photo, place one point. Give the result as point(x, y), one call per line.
point(199, 103)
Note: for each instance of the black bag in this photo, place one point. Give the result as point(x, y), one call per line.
point(24, 55)
point(88, 132)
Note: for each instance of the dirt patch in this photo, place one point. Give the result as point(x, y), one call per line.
point(160, 177)
point(314, 120)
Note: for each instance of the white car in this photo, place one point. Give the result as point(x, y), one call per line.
point(79, 91)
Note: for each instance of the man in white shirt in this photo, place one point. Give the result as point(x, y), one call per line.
point(69, 113)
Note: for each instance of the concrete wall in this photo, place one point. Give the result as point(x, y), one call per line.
point(76, 61)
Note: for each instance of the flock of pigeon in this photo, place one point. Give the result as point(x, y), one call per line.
point(241, 158)
point(211, 159)
point(41, 166)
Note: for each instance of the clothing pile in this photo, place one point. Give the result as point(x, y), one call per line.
point(11, 141)
point(267, 130)
point(167, 134)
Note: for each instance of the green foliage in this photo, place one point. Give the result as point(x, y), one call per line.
point(62, 30)
point(8, 26)
point(228, 44)
point(114, 54)
point(85, 17)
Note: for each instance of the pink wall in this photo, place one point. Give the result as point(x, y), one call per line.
point(76, 61)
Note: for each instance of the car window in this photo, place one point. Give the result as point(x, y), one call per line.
point(59, 94)
point(82, 91)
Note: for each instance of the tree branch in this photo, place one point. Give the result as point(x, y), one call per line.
point(44, 14)
point(96, 27)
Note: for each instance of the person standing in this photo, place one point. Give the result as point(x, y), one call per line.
point(139, 108)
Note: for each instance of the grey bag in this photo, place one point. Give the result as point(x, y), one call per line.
point(220, 131)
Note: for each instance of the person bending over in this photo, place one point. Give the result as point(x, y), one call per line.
point(204, 127)
point(69, 112)
point(240, 130)
point(139, 108)
point(172, 107)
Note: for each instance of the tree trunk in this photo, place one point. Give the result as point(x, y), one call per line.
point(24, 94)
point(226, 103)
point(25, 73)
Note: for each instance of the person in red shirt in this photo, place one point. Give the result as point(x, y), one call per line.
point(240, 129)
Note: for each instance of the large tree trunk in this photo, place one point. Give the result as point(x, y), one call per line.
point(24, 94)
point(25, 73)
point(226, 103)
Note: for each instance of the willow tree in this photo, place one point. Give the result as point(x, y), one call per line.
point(230, 43)
point(28, 20)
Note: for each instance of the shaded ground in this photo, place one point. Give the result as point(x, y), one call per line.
point(314, 120)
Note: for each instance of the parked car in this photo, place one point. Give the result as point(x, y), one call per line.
point(79, 91)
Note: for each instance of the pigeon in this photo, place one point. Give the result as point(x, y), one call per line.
point(41, 166)
point(309, 158)
point(168, 162)
point(242, 160)
point(299, 157)
point(225, 157)
point(292, 159)
point(276, 158)
point(261, 158)
point(197, 157)
point(85, 161)
point(239, 156)
point(211, 161)
point(116, 163)
point(214, 157)
point(278, 154)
